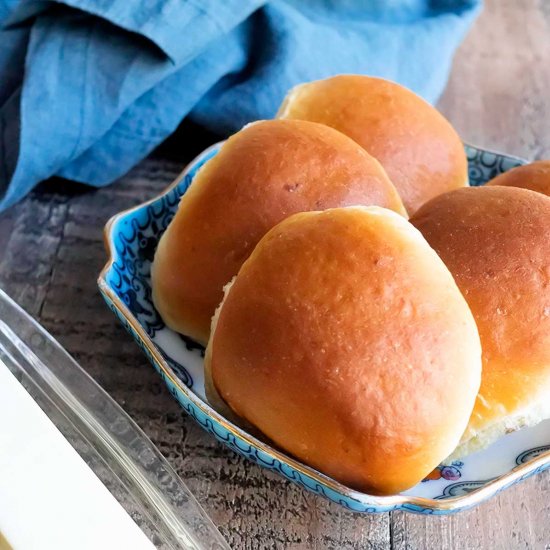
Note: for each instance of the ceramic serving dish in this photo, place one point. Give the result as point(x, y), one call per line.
point(131, 238)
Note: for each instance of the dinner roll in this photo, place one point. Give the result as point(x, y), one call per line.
point(263, 174)
point(496, 243)
point(420, 150)
point(345, 340)
point(534, 176)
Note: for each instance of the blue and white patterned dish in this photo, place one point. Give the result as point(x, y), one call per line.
point(131, 239)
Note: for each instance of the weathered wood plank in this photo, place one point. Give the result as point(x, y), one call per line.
point(33, 234)
point(497, 96)
point(517, 518)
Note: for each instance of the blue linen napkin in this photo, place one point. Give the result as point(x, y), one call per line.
point(89, 87)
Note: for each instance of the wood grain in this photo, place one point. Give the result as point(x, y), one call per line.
point(497, 96)
point(517, 518)
point(51, 251)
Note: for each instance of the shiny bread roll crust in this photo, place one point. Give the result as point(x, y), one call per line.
point(420, 150)
point(264, 173)
point(345, 340)
point(534, 176)
point(496, 242)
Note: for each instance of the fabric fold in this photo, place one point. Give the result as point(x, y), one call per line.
point(89, 87)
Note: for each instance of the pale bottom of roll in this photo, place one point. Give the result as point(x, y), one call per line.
point(476, 441)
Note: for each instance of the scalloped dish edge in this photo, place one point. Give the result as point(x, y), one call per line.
point(250, 447)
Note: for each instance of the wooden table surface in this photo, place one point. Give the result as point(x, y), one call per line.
point(51, 251)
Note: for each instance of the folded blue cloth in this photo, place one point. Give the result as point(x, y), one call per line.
point(90, 87)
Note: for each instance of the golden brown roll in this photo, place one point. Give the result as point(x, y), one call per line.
point(346, 341)
point(534, 176)
point(264, 173)
point(420, 150)
point(496, 243)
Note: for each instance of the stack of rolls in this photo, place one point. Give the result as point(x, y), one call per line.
point(345, 334)
point(420, 150)
point(263, 174)
point(496, 242)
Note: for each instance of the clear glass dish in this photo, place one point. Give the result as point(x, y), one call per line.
point(108, 440)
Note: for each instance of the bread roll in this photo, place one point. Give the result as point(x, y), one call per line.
point(420, 150)
point(264, 173)
point(345, 340)
point(496, 243)
point(534, 176)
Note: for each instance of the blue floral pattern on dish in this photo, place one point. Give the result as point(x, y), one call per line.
point(132, 237)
